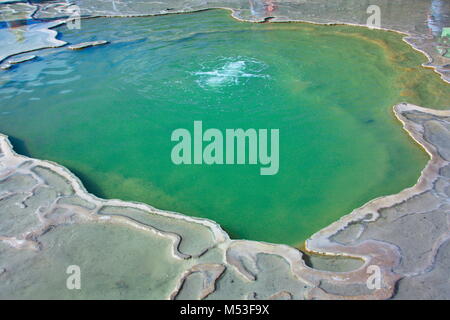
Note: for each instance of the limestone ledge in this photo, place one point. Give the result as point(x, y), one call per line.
point(88, 44)
point(406, 235)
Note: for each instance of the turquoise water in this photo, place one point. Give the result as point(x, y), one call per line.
point(107, 113)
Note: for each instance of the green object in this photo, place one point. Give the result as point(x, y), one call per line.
point(107, 113)
point(445, 32)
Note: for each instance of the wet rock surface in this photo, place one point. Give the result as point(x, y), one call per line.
point(84, 45)
point(21, 59)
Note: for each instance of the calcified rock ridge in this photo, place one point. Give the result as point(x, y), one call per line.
point(132, 250)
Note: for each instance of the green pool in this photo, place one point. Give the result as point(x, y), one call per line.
point(107, 113)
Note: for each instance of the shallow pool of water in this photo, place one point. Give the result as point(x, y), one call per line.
point(107, 113)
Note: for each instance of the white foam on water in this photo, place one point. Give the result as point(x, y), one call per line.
point(230, 71)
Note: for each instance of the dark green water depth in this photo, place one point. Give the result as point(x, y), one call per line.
point(107, 113)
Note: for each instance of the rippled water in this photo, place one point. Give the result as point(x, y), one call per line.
point(108, 112)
